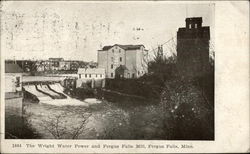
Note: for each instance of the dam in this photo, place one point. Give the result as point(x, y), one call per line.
point(48, 91)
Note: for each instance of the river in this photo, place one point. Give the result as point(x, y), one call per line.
point(117, 118)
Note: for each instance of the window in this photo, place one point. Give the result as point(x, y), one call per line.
point(111, 66)
point(128, 75)
point(96, 75)
point(89, 75)
point(119, 50)
point(86, 75)
point(112, 59)
point(101, 75)
point(195, 25)
point(113, 50)
point(138, 72)
point(120, 59)
point(111, 74)
point(189, 26)
point(80, 76)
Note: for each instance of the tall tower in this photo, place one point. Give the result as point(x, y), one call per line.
point(193, 48)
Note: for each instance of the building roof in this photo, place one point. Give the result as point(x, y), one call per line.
point(125, 47)
point(91, 71)
point(194, 19)
point(56, 59)
point(107, 47)
point(12, 68)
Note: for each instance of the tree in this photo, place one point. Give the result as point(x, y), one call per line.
point(162, 67)
point(60, 127)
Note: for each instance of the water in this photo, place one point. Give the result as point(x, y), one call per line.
point(72, 102)
point(101, 120)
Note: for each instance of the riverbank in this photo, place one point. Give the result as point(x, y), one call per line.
point(141, 87)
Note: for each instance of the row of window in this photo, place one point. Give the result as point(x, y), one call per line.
point(195, 26)
point(90, 75)
point(112, 59)
point(114, 50)
point(133, 74)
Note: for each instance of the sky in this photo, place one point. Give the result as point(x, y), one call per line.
point(76, 30)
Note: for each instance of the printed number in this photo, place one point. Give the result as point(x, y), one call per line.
point(16, 145)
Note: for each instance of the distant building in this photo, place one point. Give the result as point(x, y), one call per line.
point(54, 63)
point(74, 65)
point(123, 61)
point(94, 76)
point(56, 59)
point(193, 48)
point(91, 73)
point(42, 65)
point(64, 65)
point(92, 64)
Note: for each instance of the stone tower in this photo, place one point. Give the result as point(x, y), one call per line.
point(193, 48)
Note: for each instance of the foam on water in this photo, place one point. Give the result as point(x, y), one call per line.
point(68, 101)
point(92, 101)
point(72, 102)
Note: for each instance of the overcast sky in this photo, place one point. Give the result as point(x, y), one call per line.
point(76, 30)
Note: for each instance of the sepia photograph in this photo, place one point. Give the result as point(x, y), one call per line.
point(108, 71)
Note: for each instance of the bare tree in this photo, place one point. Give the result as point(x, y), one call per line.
point(59, 125)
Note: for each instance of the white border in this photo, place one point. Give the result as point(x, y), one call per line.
point(231, 94)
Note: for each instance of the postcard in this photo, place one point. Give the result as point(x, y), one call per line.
point(124, 76)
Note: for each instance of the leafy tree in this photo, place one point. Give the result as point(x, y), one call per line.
point(162, 68)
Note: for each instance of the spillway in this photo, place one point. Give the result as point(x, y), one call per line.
point(58, 88)
point(45, 89)
point(32, 89)
point(53, 94)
